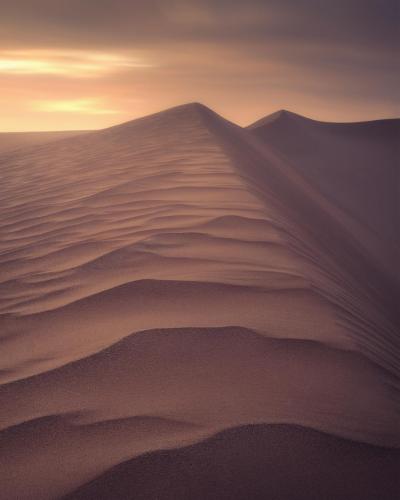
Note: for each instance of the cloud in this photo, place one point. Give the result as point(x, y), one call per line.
point(71, 63)
point(131, 22)
point(79, 106)
point(331, 60)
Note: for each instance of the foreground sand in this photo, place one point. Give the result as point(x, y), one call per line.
point(178, 277)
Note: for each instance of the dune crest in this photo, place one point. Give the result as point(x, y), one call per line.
point(176, 276)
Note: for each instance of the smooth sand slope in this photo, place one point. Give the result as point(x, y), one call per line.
point(178, 277)
point(275, 462)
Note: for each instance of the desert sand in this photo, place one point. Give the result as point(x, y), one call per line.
point(192, 309)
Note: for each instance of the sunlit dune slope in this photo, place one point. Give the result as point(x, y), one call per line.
point(176, 276)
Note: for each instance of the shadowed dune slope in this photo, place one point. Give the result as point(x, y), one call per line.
point(356, 165)
point(255, 462)
point(176, 276)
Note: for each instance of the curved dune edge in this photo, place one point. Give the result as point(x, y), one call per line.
point(167, 389)
point(275, 461)
point(165, 362)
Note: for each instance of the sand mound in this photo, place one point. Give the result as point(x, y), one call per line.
point(258, 462)
point(354, 165)
point(176, 276)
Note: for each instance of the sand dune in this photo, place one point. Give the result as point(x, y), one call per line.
point(354, 165)
point(254, 462)
point(177, 277)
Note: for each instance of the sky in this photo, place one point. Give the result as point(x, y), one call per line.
point(89, 64)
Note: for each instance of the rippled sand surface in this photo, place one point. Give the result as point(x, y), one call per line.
point(180, 283)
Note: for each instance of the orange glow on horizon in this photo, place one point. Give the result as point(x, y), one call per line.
point(72, 63)
point(74, 89)
point(79, 106)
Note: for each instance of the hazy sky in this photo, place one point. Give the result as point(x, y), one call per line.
point(75, 64)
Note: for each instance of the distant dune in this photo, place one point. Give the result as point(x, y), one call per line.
point(194, 310)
